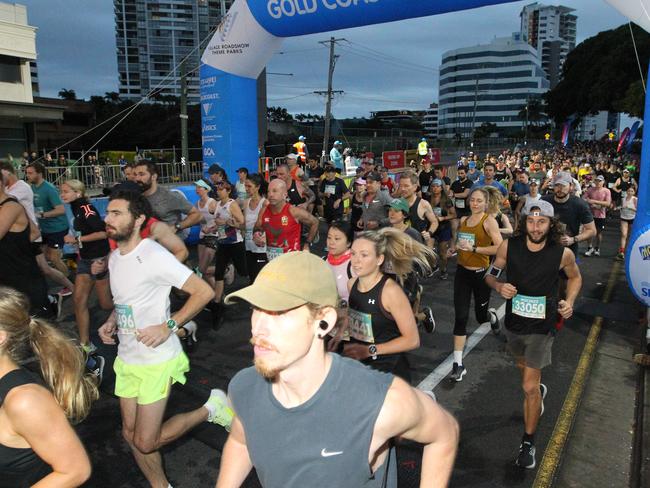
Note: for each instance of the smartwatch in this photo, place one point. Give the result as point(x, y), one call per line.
point(172, 325)
point(372, 349)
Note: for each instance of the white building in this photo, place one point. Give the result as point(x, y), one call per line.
point(430, 121)
point(18, 112)
point(489, 83)
point(596, 126)
point(552, 31)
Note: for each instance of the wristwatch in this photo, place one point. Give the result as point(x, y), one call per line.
point(172, 325)
point(178, 226)
point(372, 349)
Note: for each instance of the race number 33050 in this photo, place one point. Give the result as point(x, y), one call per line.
point(529, 307)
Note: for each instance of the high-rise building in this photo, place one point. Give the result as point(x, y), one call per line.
point(153, 37)
point(552, 31)
point(33, 69)
point(430, 121)
point(490, 83)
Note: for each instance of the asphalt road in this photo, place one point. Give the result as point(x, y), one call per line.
point(487, 403)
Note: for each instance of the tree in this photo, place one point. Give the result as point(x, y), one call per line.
point(67, 94)
point(112, 97)
point(598, 75)
point(278, 114)
point(485, 130)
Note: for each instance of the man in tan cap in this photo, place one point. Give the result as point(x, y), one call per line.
point(305, 417)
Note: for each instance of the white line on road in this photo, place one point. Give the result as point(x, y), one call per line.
point(441, 372)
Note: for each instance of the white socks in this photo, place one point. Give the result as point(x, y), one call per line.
point(458, 357)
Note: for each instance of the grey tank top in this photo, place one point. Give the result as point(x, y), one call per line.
point(325, 441)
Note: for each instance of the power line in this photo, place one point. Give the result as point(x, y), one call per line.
point(400, 60)
point(380, 59)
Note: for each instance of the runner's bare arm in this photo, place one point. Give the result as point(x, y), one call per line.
point(107, 330)
point(55, 212)
point(166, 237)
point(307, 219)
point(8, 216)
point(492, 228)
point(237, 216)
point(193, 218)
point(430, 216)
point(506, 290)
point(235, 460)
point(410, 414)
point(588, 231)
point(574, 283)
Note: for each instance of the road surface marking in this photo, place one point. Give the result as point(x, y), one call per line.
point(443, 370)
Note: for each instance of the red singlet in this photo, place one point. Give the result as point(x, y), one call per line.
point(282, 232)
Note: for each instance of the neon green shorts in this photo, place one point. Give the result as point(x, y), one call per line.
point(149, 382)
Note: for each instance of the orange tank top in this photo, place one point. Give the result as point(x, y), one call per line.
point(475, 235)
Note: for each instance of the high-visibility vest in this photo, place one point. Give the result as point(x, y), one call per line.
point(423, 148)
point(300, 149)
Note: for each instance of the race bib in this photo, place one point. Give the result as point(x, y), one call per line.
point(125, 319)
point(249, 234)
point(460, 203)
point(529, 307)
point(360, 326)
point(467, 237)
point(273, 252)
point(425, 189)
point(437, 211)
point(221, 232)
point(611, 185)
point(330, 189)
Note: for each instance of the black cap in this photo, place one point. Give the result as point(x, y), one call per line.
point(214, 169)
point(127, 186)
point(329, 168)
point(373, 175)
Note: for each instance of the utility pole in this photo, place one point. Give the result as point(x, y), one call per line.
point(330, 92)
point(183, 115)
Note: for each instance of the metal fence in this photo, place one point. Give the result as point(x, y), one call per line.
point(99, 176)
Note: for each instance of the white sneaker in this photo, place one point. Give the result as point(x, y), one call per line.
point(596, 252)
point(590, 252)
point(218, 410)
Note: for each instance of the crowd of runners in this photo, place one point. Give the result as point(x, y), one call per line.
point(511, 222)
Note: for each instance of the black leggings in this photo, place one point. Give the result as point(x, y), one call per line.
point(255, 261)
point(466, 283)
point(230, 253)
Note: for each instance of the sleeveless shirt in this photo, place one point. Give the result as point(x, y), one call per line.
point(208, 218)
point(227, 234)
point(417, 222)
point(535, 275)
point(324, 442)
point(293, 195)
point(342, 270)
point(20, 467)
point(282, 232)
point(370, 323)
point(474, 235)
point(18, 267)
point(251, 217)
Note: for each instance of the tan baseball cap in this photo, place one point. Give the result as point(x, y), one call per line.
point(289, 281)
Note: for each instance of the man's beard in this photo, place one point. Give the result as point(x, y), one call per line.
point(537, 241)
point(124, 236)
point(144, 185)
point(265, 371)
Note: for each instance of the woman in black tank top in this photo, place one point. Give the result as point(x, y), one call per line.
point(380, 319)
point(35, 427)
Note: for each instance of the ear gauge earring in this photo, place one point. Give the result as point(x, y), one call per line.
point(323, 324)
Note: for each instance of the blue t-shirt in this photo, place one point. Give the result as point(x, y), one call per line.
point(495, 184)
point(46, 198)
point(520, 188)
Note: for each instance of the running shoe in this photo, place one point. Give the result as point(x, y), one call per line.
point(590, 252)
point(596, 252)
point(95, 364)
point(620, 256)
point(495, 325)
point(190, 335)
point(443, 275)
point(56, 301)
point(65, 292)
point(526, 458)
point(429, 322)
point(457, 372)
point(218, 410)
point(544, 391)
point(229, 275)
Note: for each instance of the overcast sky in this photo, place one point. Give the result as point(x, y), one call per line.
point(381, 67)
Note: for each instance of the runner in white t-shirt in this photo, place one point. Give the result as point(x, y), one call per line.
point(149, 356)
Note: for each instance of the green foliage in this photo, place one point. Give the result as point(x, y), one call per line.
point(114, 156)
point(598, 75)
point(67, 94)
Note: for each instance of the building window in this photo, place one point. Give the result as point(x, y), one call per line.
point(10, 69)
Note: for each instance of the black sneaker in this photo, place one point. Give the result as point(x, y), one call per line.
point(544, 391)
point(526, 458)
point(429, 322)
point(495, 325)
point(95, 364)
point(457, 372)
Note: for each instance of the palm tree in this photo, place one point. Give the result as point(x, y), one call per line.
point(112, 97)
point(67, 94)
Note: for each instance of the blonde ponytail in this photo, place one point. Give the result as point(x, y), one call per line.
point(61, 361)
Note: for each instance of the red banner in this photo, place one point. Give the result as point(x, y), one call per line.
point(393, 160)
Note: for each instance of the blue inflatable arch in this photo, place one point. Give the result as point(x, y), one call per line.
point(253, 30)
